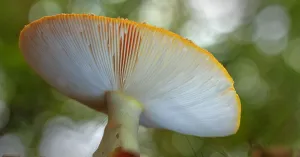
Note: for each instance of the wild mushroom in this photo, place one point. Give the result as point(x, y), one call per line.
point(145, 75)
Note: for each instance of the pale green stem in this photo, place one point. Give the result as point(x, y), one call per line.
point(122, 127)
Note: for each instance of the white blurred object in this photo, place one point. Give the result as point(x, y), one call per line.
point(157, 13)
point(272, 47)
point(212, 20)
point(201, 33)
point(222, 16)
point(11, 144)
point(63, 137)
point(86, 6)
point(43, 8)
point(271, 30)
point(4, 115)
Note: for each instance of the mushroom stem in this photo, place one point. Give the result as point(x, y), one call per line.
point(121, 132)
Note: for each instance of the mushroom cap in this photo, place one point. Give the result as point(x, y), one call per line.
point(182, 86)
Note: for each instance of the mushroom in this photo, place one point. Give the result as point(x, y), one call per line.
point(136, 74)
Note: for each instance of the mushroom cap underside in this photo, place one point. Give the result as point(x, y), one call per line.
point(182, 86)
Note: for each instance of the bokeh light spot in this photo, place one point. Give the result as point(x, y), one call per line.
point(44, 8)
point(271, 30)
point(11, 144)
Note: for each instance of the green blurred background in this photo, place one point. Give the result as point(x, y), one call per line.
point(258, 41)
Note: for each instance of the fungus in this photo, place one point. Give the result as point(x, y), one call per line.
point(135, 73)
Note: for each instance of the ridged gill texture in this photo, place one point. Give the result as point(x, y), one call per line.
point(182, 87)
